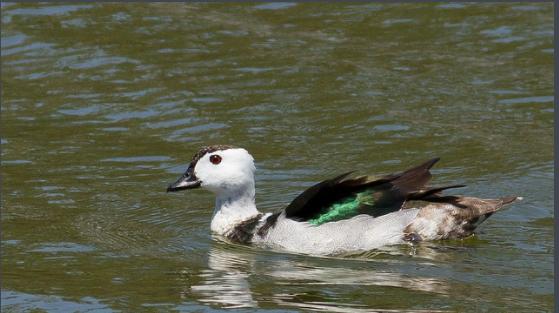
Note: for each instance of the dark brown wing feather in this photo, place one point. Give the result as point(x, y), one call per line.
point(389, 192)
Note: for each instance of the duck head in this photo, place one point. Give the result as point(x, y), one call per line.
point(220, 169)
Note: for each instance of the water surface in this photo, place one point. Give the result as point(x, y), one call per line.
point(104, 104)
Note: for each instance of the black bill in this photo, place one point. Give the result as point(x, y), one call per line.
point(187, 181)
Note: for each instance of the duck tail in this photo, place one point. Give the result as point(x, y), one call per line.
point(453, 217)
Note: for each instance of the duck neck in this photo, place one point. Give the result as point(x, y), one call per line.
point(232, 208)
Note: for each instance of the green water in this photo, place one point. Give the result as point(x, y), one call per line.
point(104, 105)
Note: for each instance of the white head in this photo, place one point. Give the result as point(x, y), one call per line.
point(220, 169)
point(229, 173)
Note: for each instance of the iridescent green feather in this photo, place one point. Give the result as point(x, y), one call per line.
point(345, 208)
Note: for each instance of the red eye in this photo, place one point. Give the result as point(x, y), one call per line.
point(215, 159)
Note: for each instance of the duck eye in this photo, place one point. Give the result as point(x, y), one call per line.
point(215, 159)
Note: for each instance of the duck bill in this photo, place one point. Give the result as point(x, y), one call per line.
point(187, 181)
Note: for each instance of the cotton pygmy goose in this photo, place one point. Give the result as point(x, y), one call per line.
point(339, 215)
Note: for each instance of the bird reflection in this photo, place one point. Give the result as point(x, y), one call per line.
point(234, 273)
point(225, 281)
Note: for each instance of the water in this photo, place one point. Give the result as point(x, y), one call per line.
point(104, 104)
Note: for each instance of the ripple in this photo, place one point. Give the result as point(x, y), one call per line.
point(85, 95)
point(526, 100)
point(206, 100)
point(134, 95)
point(115, 129)
point(48, 188)
point(451, 6)
point(40, 46)
point(254, 70)
point(275, 6)
point(16, 162)
point(99, 59)
point(81, 111)
point(497, 32)
point(197, 129)
point(346, 276)
point(60, 247)
point(171, 123)
point(47, 10)
point(397, 21)
point(391, 128)
point(19, 301)
point(508, 39)
point(122, 116)
point(12, 242)
point(155, 158)
point(14, 40)
point(323, 306)
point(76, 22)
point(506, 92)
point(526, 8)
point(61, 201)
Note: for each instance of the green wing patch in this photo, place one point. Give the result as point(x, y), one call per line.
point(345, 208)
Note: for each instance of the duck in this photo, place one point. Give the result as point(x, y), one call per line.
point(343, 214)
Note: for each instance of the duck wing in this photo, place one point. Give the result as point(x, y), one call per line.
point(343, 197)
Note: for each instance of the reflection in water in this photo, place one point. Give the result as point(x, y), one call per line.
point(364, 277)
point(226, 281)
point(339, 307)
point(321, 276)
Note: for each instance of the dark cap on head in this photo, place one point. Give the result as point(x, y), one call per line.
point(189, 180)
